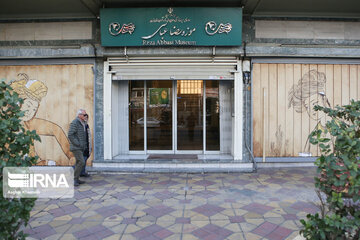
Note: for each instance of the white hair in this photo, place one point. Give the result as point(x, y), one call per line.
point(80, 111)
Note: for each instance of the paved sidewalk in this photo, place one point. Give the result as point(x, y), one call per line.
point(263, 205)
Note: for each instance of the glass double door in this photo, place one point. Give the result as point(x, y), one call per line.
point(174, 116)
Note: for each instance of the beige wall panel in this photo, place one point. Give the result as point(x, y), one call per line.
point(322, 117)
point(353, 81)
point(2, 32)
point(257, 115)
point(307, 29)
point(281, 137)
point(345, 84)
point(280, 144)
point(297, 116)
point(305, 126)
point(79, 30)
point(337, 85)
point(329, 71)
point(19, 32)
point(54, 92)
point(314, 116)
point(289, 124)
point(268, 29)
point(352, 31)
point(265, 109)
point(47, 31)
point(273, 127)
point(292, 91)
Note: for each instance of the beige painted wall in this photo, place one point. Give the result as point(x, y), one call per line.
point(307, 29)
point(45, 31)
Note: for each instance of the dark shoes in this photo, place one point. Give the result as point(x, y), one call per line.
point(85, 175)
point(78, 182)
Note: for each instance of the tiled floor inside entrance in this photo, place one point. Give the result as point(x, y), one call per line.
point(267, 204)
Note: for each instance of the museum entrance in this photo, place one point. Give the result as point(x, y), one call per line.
point(169, 117)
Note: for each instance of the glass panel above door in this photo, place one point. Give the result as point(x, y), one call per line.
point(189, 115)
point(159, 115)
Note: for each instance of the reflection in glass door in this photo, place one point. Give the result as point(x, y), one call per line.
point(136, 115)
point(159, 115)
point(212, 115)
point(189, 115)
point(156, 127)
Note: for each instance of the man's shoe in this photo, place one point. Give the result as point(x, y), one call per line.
point(80, 182)
point(85, 175)
point(76, 183)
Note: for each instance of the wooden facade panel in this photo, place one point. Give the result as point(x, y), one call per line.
point(304, 98)
point(353, 82)
point(281, 111)
point(314, 98)
point(257, 98)
point(284, 123)
point(53, 94)
point(337, 85)
point(273, 126)
point(297, 115)
point(345, 84)
point(289, 121)
point(265, 108)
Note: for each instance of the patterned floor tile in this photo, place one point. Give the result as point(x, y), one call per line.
point(257, 208)
point(264, 205)
point(152, 232)
point(208, 209)
point(212, 231)
point(264, 229)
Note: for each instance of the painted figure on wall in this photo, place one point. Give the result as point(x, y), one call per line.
point(310, 91)
point(33, 91)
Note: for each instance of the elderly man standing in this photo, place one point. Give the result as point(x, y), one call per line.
point(78, 141)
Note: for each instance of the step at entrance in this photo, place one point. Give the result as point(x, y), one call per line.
point(172, 156)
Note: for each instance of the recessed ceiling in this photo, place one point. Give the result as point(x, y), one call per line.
point(62, 9)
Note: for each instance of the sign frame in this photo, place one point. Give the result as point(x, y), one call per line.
point(121, 27)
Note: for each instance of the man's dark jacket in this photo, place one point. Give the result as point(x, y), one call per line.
point(77, 136)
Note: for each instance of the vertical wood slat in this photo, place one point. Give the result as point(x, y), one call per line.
point(322, 117)
point(53, 101)
point(297, 116)
point(313, 116)
point(305, 128)
point(345, 84)
point(289, 122)
point(272, 111)
point(337, 85)
point(265, 105)
point(281, 110)
point(353, 81)
point(257, 115)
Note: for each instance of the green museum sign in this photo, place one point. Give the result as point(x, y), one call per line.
point(171, 27)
